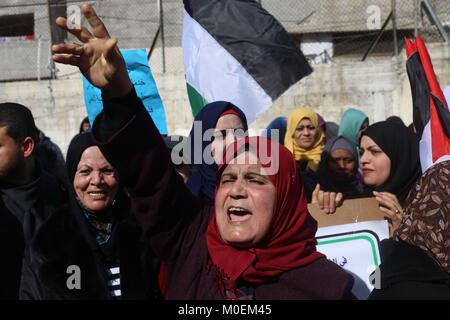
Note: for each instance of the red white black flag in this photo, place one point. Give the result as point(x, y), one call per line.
point(431, 115)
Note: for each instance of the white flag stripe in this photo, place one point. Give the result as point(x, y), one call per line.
point(426, 153)
point(217, 75)
point(426, 156)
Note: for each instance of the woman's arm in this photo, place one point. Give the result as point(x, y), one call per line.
point(124, 131)
point(167, 211)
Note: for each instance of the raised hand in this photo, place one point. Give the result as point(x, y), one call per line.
point(392, 208)
point(98, 58)
point(327, 201)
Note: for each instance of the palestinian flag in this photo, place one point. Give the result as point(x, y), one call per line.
point(235, 51)
point(431, 115)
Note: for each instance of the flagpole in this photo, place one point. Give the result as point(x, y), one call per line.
point(161, 26)
point(52, 63)
point(436, 20)
point(394, 29)
point(416, 20)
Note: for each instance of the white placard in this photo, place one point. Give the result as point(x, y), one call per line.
point(354, 247)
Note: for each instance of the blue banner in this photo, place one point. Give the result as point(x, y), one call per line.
point(142, 79)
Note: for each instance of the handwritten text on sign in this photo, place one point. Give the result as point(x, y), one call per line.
point(142, 79)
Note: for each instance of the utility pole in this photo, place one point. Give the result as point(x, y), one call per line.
point(52, 63)
point(394, 29)
point(416, 19)
point(435, 20)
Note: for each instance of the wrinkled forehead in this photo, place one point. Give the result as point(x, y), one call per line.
point(262, 156)
point(244, 162)
point(246, 165)
point(92, 156)
point(229, 121)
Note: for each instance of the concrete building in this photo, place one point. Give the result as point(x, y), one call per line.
point(379, 86)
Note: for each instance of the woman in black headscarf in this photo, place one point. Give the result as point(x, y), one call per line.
point(338, 171)
point(92, 248)
point(390, 164)
point(84, 125)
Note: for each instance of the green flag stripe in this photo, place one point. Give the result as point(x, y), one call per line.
point(195, 99)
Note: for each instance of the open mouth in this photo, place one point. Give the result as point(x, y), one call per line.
point(97, 195)
point(238, 215)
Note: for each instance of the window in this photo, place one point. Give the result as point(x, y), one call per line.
point(17, 27)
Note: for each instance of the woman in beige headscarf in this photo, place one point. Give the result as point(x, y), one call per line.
point(304, 138)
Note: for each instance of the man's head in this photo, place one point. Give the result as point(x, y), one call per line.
point(17, 142)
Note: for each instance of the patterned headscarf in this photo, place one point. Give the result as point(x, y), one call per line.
point(425, 223)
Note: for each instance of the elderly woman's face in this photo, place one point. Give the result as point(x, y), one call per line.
point(341, 165)
point(244, 202)
point(374, 163)
point(305, 134)
point(94, 181)
point(228, 128)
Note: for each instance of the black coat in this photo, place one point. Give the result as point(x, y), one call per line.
point(23, 210)
point(407, 272)
point(67, 239)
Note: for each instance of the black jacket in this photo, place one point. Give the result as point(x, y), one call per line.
point(23, 210)
point(67, 239)
point(407, 272)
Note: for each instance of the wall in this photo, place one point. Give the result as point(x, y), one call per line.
point(379, 88)
point(26, 59)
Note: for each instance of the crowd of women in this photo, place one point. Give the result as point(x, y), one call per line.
point(337, 162)
point(237, 228)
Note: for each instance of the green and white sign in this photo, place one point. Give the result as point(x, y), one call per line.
point(354, 247)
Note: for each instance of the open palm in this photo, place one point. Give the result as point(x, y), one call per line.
point(98, 57)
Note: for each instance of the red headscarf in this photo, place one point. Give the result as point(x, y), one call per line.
point(290, 242)
point(229, 111)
